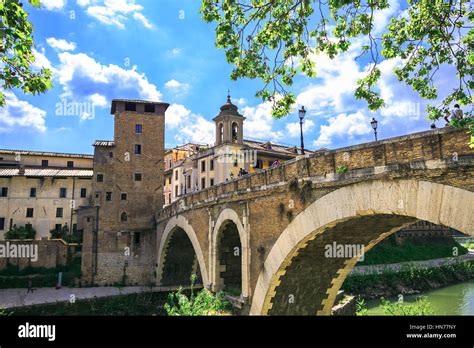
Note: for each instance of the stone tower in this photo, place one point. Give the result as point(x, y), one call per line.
point(229, 124)
point(127, 193)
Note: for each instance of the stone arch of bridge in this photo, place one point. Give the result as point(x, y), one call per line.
point(225, 217)
point(298, 276)
point(179, 223)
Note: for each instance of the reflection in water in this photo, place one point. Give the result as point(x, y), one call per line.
point(455, 299)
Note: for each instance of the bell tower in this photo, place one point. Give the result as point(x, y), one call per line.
point(229, 124)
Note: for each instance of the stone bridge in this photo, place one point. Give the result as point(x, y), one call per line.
point(266, 236)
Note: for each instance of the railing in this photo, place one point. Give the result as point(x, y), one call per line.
point(440, 144)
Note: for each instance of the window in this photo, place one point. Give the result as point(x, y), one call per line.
point(259, 164)
point(169, 180)
point(203, 166)
point(130, 107)
point(188, 181)
point(29, 212)
point(138, 176)
point(4, 192)
point(62, 192)
point(149, 107)
point(136, 239)
point(44, 163)
point(211, 164)
point(212, 182)
point(203, 183)
point(108, 196)
point(138, 128)
point(123, 217)
point(74, 228)
point(221, 133)
point(169, 198)
point(33, 192)
point(123, 196)
point(83, 192)
point(70, 164)
point(2, 224)
point(235, 132)
point(59, 212)
point(100, 177)
point(111, 154)
point(236, 162)
point(138, 149)
point(58, 227)
point(176, 175)
point(176, 191)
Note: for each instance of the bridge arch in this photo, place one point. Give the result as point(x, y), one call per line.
point(381, 207)
point(225, 217)
point(179, 224)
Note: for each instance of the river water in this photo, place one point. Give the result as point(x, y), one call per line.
point(457, 299)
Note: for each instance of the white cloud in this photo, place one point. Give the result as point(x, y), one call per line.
point(18, 113)
point(382, 17)
point(176, 114)
point(98, 100)
point(259, 122)
point(141, 18)
point(240, 101)
point(40, 61)
point(84, 79)
point(294, 130)
point(198, 130)
point(178, 88)
point(53, 5)
point(192, 127)
point(115, 12)
point(175, 52)
point(61, 44)
point(343, 126)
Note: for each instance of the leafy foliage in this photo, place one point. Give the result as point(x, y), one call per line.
point(275, 40)
point(203, 303)
point(420, 307)
point(22, 232)
point(16, 51)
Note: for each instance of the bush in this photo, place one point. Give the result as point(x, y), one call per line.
point(204, 303)
point(21, 232)
point(420, 307)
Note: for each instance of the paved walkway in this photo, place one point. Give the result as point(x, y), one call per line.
point(11, 298)
point(377, 269)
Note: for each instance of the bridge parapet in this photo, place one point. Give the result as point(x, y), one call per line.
point(424, 150)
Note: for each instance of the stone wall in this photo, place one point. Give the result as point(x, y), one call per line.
point(274, 198)
point(51, 254)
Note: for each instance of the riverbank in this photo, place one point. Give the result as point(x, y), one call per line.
point(407, 280)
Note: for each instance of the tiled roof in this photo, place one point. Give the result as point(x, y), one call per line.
point(48, 172)
point(277, 148)
point(45, 154)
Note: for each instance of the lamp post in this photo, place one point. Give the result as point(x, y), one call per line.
point(373, 123)
point(302, 113)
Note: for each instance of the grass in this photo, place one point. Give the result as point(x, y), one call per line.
point(420, 307)
point(391, 252)
point(202, 303)
point(391, 282)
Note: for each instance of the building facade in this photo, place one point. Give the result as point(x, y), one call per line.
point(119, 226)
point(194, 167)
point(42, 190)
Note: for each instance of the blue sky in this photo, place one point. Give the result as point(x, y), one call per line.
point(162, 50)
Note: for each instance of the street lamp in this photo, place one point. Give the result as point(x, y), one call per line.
point(374, 126)
point(302, 113)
